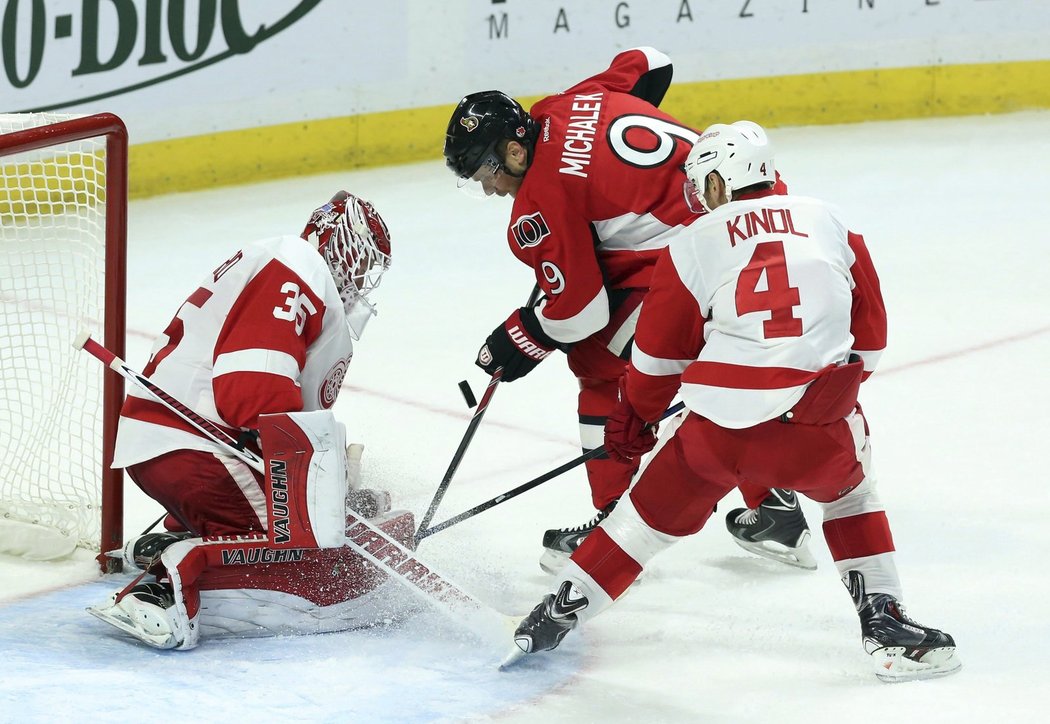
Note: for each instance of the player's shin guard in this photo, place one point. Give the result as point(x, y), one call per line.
point(607, 562)
point(614, 555)
point(858, 535)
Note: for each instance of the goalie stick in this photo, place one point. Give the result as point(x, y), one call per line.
point(367, 540)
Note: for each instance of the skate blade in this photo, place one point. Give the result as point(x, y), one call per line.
point(892, 667)
point(112, 615)
point(513, 656)
point(510, 628)
point(799, 557)
point(553, 561)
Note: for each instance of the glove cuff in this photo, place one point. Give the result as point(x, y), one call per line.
point(527, 336)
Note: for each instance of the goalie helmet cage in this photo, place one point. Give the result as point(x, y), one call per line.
point(63, 238)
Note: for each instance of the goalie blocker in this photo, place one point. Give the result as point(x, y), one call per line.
point(300, 577)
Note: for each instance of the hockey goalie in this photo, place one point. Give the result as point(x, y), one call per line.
point(260, 349)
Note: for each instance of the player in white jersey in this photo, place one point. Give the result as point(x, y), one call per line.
point(269, 331)
point(765, 316)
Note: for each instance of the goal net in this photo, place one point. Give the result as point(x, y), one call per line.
point(63, 187)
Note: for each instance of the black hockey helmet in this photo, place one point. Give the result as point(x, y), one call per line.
point(480, 121)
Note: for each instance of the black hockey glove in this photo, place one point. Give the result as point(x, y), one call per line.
point(517, 345)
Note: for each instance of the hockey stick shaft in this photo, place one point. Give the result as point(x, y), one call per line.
point(513, 493)
point(468, 436)
point(525, 487)
point(202, 424)
point(373, 544)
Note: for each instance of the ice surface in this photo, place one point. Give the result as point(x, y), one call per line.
point(954, 212)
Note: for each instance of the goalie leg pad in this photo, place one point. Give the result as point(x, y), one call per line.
point(306, 478)
point(245, 586)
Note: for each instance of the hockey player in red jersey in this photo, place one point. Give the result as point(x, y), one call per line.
point(765, 317)
point(596, 177)
point(269, 332)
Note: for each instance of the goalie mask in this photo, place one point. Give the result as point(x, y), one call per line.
point(741, 154)
point(353, 239)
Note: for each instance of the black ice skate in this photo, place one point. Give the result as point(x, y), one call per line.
point(776, 530)
point(560, 543)
point(903, 650)
point(546, 626)
point(143, 550)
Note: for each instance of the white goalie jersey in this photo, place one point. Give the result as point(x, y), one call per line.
point(264, 333)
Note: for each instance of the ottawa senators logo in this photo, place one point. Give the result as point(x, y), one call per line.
point(331, 384)
point(469, 122)
point(530, 230)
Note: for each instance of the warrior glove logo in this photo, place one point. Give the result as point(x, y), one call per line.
point(530, 230)
point(524, 343)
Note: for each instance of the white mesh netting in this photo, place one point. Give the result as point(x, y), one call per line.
point(52, 267)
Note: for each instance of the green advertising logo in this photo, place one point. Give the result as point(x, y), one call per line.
point(23, 53)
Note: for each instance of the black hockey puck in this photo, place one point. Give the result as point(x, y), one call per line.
point(468, 395)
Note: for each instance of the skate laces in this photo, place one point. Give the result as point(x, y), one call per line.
point(748, 517)
point(593, 522)
point(902, 614)
point(588, 525)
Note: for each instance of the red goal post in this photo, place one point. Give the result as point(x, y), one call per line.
point(63, 238)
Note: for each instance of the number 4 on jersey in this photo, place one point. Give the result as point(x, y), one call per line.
point(779, 297)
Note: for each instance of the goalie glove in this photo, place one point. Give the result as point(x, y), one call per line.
point(366, 502)
point(517, 345)
point(627, 436)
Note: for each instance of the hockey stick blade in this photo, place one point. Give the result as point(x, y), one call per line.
point(426, 532)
